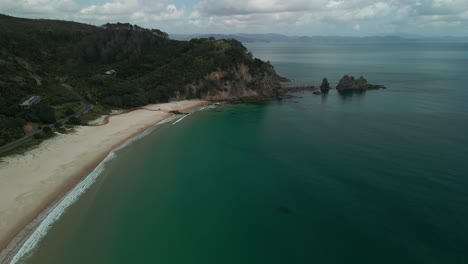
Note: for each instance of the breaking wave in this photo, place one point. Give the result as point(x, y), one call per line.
point(59, 209)
point(51, 216)
point(180, 119)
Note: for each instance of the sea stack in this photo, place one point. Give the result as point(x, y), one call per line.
point(325, 86)
point(349, 83)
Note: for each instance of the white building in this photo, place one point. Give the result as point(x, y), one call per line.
point(30, 102)
point(109, 73)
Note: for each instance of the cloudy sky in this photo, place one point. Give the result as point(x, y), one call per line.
point(291, 17)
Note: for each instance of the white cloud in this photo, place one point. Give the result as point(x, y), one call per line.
point(31, 7)
point(264, 13)
point(236, 7)
point(431, 16)
point(292, 16)
point(356, 27)
point(384, 16)
point(133, 11)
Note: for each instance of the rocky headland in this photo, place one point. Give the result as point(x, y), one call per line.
point(240, 83)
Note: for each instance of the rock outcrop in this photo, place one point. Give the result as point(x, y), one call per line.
point(325, 86)
point(177, 112)
point(238, 84)
point(360, 84)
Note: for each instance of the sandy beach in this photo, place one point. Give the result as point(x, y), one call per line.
point(30, 183)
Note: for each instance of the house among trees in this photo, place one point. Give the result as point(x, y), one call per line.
point(30, 102)
point(109, 73)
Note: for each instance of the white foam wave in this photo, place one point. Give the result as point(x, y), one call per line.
point(58, 210)
point(167, 120)
point(207, 107)
point(180, 119)
point(143, 134)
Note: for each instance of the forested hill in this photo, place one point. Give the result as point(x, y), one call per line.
point(38, 56)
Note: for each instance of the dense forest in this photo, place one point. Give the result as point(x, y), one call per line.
point(38, 56)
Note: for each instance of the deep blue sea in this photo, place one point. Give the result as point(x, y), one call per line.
point(374, 177)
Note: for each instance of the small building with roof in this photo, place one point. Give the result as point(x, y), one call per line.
point(30, 102)
point(109, 73)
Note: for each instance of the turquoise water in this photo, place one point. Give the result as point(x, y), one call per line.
point(376, 177)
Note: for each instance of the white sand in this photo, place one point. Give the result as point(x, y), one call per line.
point(31, 182)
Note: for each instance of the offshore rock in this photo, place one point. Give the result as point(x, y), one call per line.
point(325, 86)
point(350, 83)
point(177, 112)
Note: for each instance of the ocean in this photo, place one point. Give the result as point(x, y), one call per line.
point(374, 177)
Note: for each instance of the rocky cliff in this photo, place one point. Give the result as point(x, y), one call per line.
point(240, 82)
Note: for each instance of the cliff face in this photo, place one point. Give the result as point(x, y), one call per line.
point(237, 83)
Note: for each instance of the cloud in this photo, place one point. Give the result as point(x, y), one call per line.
point(236, 7)
point(306, 17)
point(137, 11)
point(264, 13)
point(32, 7)
point(134, 11)
point(383, 17)
point(429, 16)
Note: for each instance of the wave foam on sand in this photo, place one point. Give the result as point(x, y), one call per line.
point(52, 216)
point(59, 209)
point(29, 237)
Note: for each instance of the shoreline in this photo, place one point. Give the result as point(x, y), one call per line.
point(25, 223)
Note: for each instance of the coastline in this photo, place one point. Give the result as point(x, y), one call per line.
point(33, 184)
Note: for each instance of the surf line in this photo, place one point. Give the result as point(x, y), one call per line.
point(48, 217)
point(180, 119)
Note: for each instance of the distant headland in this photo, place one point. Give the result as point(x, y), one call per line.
point(275, 38)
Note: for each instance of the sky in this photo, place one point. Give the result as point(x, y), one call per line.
point(289, 17)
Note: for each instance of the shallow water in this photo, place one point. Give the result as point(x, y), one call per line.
point(376, 177)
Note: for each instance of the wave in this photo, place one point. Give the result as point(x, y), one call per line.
point(144, 133)
point(180, 119)
point(58, 210)
point(208, 107)
point(199, 109)
point(49, 217)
